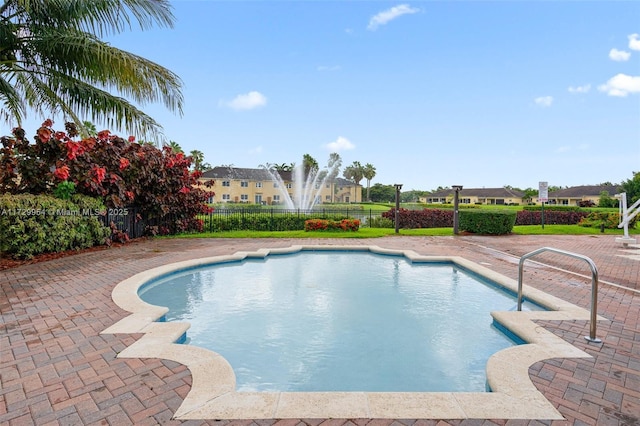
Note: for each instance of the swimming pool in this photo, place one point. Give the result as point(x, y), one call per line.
point(213, 393)
point(340, 321)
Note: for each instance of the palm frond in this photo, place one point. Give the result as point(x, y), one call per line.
point(52, 60)
point(13, 108)
point(97, 62)
point(100, 17)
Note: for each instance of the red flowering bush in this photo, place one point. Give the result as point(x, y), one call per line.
point(426, 218)
point(119, 171)
point(551, 217)
point(331, 225)
point(316, 225)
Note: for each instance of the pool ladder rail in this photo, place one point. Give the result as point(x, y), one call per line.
point(594, 285)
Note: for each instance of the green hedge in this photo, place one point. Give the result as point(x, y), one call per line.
point(34, 224)
point(263, 221)
point(556, 208)
point(496, 222)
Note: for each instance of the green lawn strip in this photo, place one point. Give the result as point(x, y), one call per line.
point(563, 230)
point(381, 232)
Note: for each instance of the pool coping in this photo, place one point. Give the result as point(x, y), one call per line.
point(213, 394)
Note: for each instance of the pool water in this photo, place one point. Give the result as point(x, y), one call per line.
point(340, 321)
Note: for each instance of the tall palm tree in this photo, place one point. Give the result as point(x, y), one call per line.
point(369, 172)
point(309, 164)
point(52, 61)
point(335, 162)
point(175, 147)
point(198, 159)
point(355, 173)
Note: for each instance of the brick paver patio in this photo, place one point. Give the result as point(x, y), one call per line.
point(55, 367)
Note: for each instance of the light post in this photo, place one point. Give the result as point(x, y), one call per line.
point(397, 219)
point(456, 197)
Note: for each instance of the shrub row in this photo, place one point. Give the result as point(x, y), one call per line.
point(262, 222)
point(331, 225)
point(426, 218)
point(608, 219)
point(553, 217)
point(495, 222)
point(552, 207)
point(34, 224)
point(441, 218)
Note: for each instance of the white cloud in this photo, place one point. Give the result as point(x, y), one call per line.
point(621, 85)
point(619, 55)
point(634, 41)
point(329, 68)
point(246, 101)
point(385, 16)
point(544, 101)
point(580, 89)
point(565, 148)
point(340, 144)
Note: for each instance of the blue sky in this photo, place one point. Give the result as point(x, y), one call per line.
point(431, 93)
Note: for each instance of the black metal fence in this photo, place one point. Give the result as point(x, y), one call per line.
point(131, 222)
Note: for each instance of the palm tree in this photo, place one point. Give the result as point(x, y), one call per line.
point(52, 61)
point(355, 173)
point(175, 147)
point(89, 129)
point(198, 159)
point(309, 165)
point(369, 172)
point(282, 167)
point(335, 162)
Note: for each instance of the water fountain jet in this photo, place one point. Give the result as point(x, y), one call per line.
point(306, 189)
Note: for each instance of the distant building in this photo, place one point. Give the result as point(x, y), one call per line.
point(576, 194)
point(491, 196)
point(240, 185)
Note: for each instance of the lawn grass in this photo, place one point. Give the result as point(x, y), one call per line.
point(382, 232)
point(563, 230)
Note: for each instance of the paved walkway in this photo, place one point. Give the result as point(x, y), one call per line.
point(55, 367)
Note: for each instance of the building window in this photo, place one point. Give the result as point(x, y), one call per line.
point(226, 183)
point(328, 186)
point(244, 198)
point(258, 198)
point(226, 197)
point(275, 184)
point(327, 197)
point(317, 186)
point(276, 198)
point(244, 184)
point(289, 185)
point(258, 184)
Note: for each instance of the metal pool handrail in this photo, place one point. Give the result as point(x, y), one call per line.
point(594, 285)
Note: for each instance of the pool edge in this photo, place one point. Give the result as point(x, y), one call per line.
point(213, 395)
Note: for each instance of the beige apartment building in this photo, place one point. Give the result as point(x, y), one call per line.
point(495, 196)
point(257, 186)
point(577, 194)
point(503, 196)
